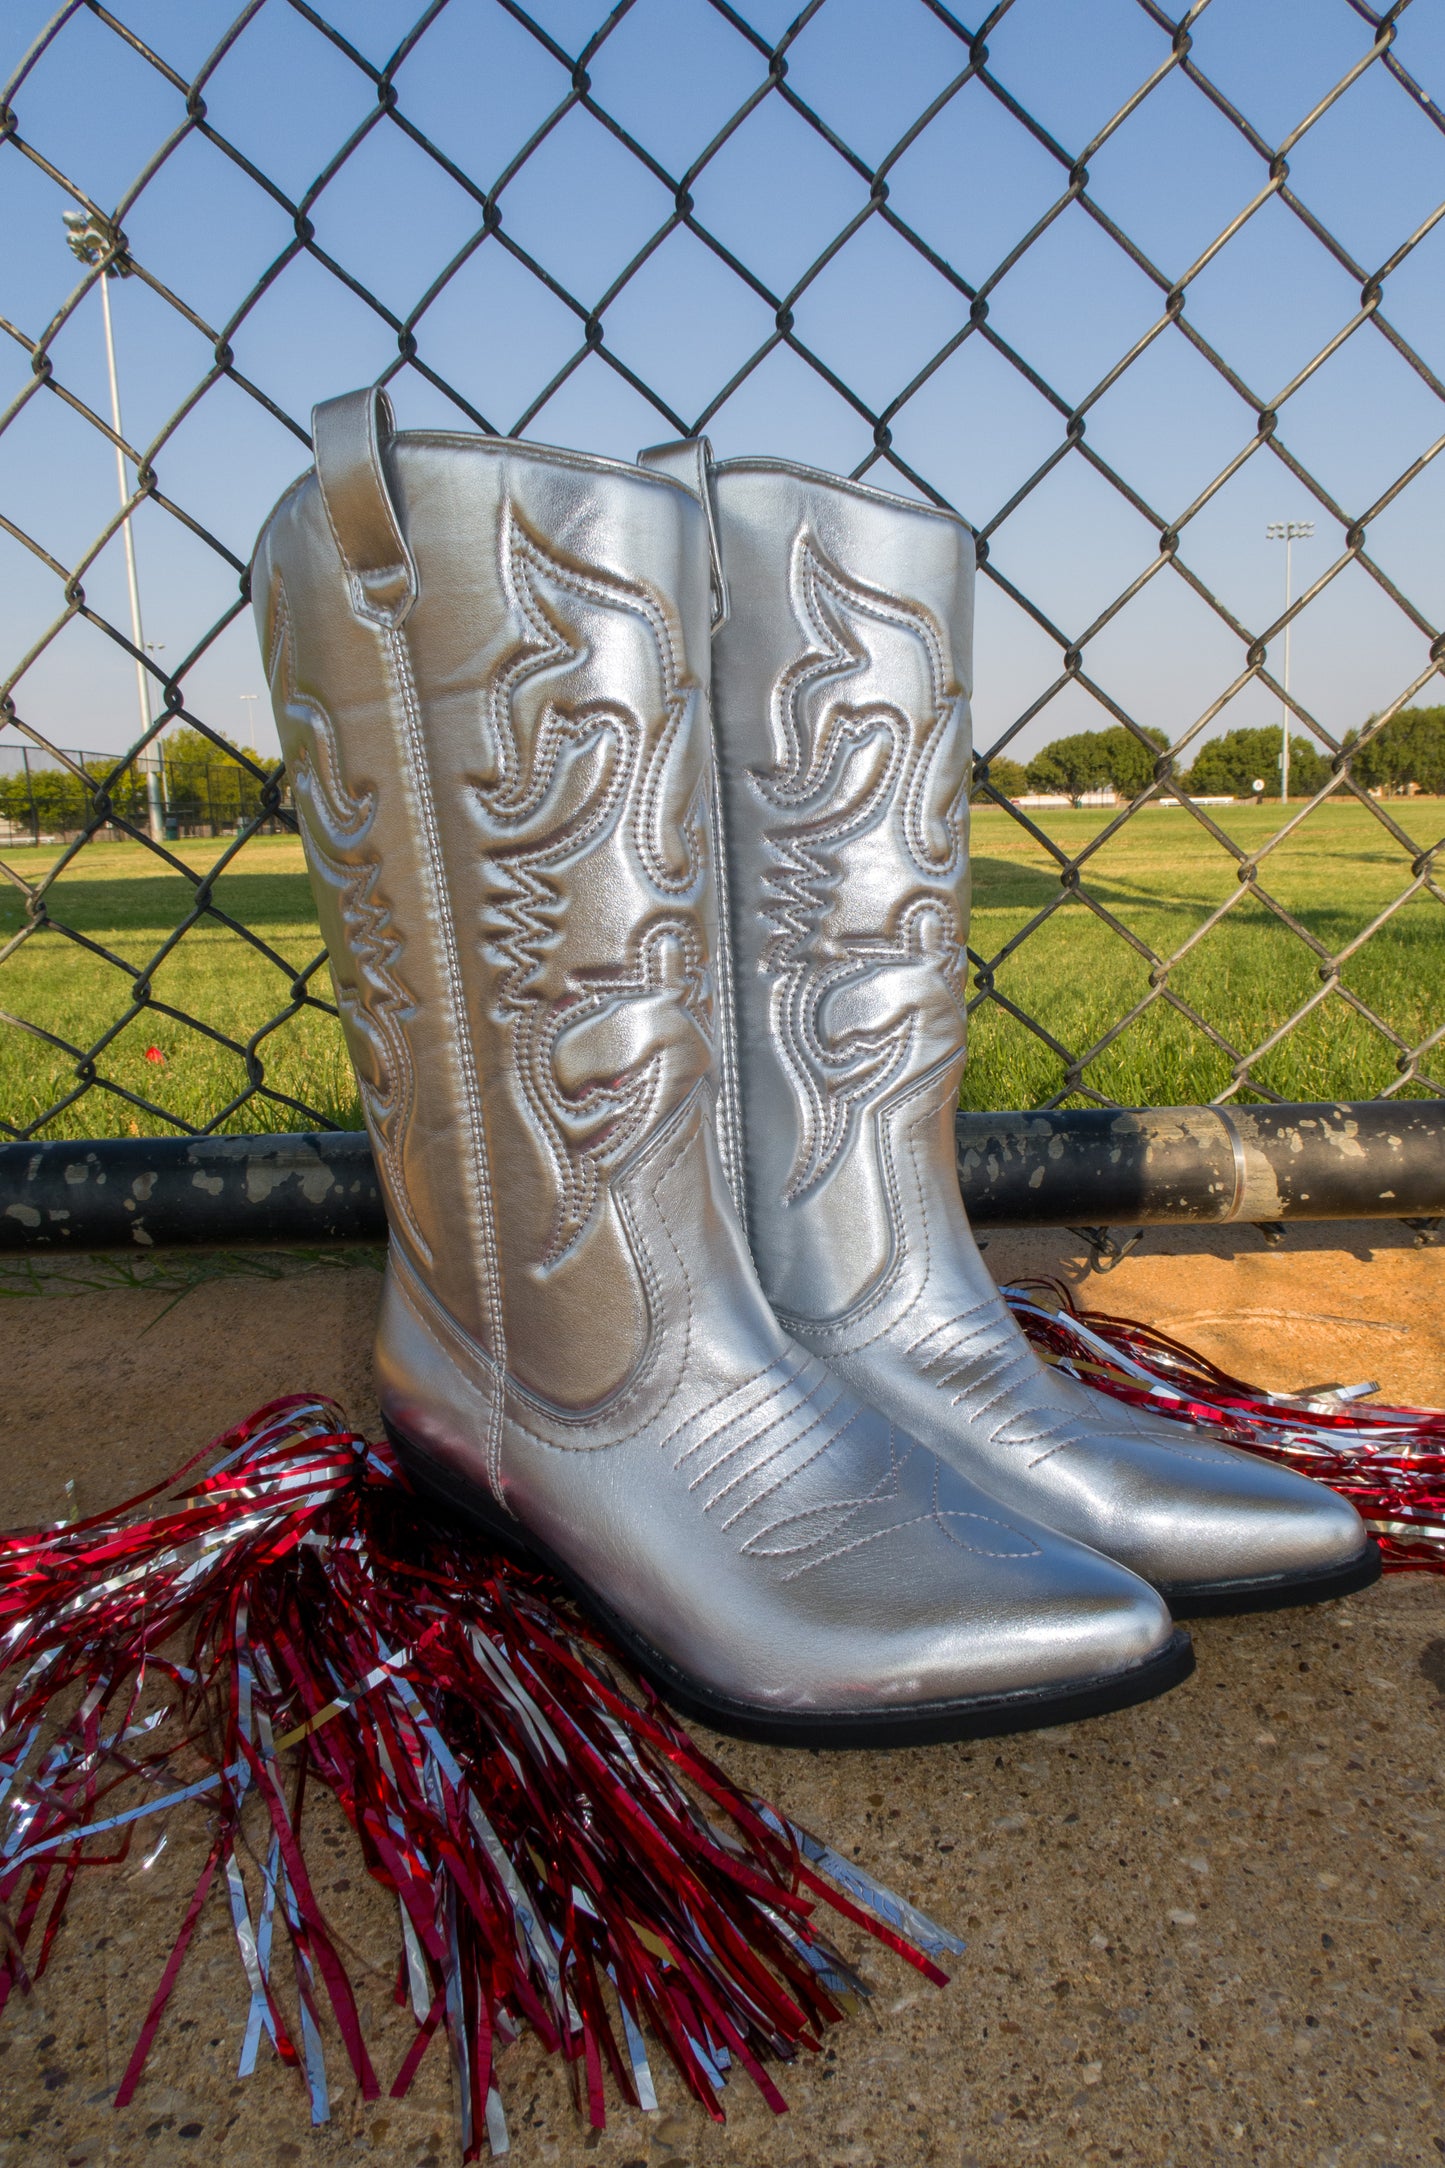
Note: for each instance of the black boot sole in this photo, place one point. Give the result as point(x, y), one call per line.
point(924, 1724)
point(1231, 1599)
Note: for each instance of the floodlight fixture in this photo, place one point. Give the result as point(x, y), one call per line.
point(91, 238)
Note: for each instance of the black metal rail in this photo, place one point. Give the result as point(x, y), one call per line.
point(1111, 1167)
point(1377, 1159)
point(152, 1192)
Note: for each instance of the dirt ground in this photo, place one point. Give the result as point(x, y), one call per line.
point(1204, 1930)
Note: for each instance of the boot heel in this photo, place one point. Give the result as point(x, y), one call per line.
point(433, 1483)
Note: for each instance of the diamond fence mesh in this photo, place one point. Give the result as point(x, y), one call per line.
point(190, 995)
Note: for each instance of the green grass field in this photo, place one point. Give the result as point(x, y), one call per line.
point(1162, 878)
point(116, 896)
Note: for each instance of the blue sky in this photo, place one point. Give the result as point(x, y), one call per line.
point(972, 185)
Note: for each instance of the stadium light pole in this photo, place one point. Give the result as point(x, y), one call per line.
point(91, 239)
point(1288, 531)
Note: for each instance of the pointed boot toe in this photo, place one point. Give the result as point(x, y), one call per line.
point(1217, 1530)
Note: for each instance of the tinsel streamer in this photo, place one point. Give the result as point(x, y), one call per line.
point(1389, 1462)
point(561, 1854)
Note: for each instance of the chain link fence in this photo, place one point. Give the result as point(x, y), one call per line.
point(1261, 986)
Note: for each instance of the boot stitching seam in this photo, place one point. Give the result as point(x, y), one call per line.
point(395, 641)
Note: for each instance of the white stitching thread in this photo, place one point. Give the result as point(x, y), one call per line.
point(829, 786)
point(336, 834)
point(485, 1217)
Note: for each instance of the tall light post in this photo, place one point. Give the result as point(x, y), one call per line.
point(1288, 531)
point(91, 239)
point(248, 701)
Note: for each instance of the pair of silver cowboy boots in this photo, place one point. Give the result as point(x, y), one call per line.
point(634, 801)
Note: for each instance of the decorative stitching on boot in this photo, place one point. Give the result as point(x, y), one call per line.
point(730, 1089)
point(860, 765)
point(485, 1216)
point(888, 1486)
point(841, 1332)
point(631, 1395)
point(601, 1049)
point(793, 1360)
point(375, 1005)
point(787, 1477)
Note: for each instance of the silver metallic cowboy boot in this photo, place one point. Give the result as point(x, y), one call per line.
point(840, 690)
point(489, 663)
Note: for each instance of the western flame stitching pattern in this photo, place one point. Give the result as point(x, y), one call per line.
point(851, 1002)
point(337, 832)
point(603, 1049)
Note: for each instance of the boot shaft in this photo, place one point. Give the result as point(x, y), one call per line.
point(841, 682)
point(488, 662)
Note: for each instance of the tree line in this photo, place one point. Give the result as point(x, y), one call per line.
point(1408, 753)
point(208, 788)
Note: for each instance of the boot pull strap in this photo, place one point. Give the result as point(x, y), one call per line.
point(349, 435)
point(689, 461)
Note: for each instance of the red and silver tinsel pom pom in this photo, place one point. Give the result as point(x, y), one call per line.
point(561, 1854)
point(1389, 1462)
